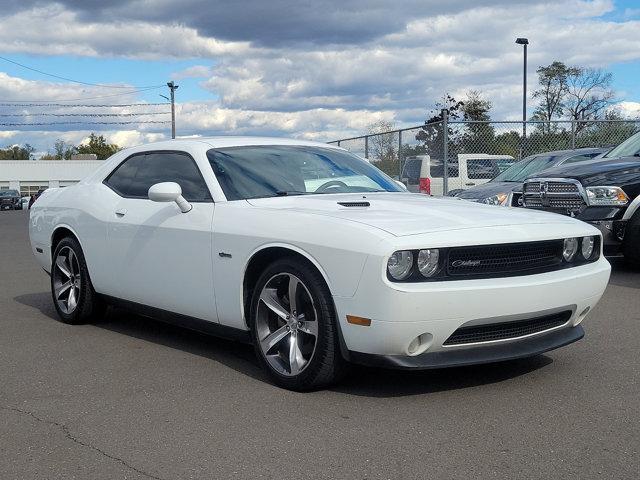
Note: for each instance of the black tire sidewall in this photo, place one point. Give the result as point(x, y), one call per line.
point(87, 298)
point(631, 244)
point(326, 354)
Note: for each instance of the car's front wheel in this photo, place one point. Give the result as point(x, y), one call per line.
point(294, 326)
point(631, 244)
point(74, 298)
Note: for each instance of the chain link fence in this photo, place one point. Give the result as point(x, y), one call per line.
point(498, 144)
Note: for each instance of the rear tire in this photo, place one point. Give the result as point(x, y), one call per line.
point(631, 244)
point(72, 292)
point(297, 342)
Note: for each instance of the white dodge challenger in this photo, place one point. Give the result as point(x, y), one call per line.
point(315, 257)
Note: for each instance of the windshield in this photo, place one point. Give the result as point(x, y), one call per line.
point(519, 171)
point(628, 148)
point(8, 193)
point(277, 170)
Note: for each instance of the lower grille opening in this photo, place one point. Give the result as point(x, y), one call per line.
point(506, 330)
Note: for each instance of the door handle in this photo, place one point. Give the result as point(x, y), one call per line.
point(470, 184)
point(121, 212)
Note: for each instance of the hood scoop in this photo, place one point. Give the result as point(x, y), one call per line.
point(354, 204)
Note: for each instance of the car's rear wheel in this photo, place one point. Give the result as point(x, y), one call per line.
point(74, 298)
point(293, 326)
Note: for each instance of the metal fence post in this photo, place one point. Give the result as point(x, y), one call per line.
point(573, 134)
point(400, 155)
point(366, 146)
point(445, 152)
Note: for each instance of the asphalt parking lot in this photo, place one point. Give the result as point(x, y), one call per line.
point(132, 398)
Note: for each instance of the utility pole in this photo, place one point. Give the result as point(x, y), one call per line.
point(172, 88)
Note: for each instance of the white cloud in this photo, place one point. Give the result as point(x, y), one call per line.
point(196, 71)
point(628, 109)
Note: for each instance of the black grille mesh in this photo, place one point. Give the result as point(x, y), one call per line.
point(508, 258)
point(506, 330)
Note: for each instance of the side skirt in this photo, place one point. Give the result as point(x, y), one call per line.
point(179, 320)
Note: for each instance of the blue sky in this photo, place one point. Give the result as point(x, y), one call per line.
point(320, 71)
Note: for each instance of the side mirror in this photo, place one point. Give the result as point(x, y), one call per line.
point(402, 185)
point(169, 192)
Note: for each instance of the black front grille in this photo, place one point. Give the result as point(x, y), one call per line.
point(501, 259)
point(507, 330)
point(554, 195)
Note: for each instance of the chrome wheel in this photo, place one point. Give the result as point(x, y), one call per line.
point(286, 324)
point(67, 281)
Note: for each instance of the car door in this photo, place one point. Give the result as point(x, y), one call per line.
point(162, 257)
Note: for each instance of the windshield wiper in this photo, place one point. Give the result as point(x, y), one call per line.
point(286, 193)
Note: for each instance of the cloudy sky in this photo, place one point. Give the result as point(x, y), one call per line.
point(320, 69)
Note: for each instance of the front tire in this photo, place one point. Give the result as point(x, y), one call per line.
point(631, 244)
point(73, 295)
point(294, 326)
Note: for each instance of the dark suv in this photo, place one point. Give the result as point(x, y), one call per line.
point(604, 192)
point(10, 200)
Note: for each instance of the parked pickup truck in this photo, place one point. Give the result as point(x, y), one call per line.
point(506, 188)
point(604, 192)
point(10, 200)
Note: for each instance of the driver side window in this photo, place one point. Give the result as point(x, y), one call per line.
point(134, 177)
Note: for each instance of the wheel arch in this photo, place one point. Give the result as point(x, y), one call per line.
point(632, 208)
point(265, 255)
point(61, 231)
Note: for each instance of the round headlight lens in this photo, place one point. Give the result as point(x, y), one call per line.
point(587, 247)
point(399, 264)
point(570, 249)
point(428, 261)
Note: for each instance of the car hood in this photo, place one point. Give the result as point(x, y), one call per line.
point(403, 214)
point(489, 189)
point(601, 171)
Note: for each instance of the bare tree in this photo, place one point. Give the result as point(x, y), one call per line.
point(588, 94)
point(382, 145)
point(553, 81)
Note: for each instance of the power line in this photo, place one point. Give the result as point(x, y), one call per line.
point(40, 114)
point(10, 104)
point(87, 98)
point(81, 123)
point(77, 81)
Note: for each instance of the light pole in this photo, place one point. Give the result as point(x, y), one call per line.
point(524, 42)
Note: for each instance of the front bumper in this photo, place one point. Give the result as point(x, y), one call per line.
point(432, 312)
point(473, 355)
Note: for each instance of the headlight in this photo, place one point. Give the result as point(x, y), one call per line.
point(606, 196)
point(499, 199)
point(399, 264)
point(587, 247)
point(570, 248)
point(428, 261)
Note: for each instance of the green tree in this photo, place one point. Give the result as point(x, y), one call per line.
point(17, 152)
point(477, 137)
point(98, 145)
point(432, 133)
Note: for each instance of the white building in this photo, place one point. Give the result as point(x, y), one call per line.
point(29, 176)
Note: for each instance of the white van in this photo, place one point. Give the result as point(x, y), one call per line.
point(423, 174)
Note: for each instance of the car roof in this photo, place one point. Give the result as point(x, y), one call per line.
point(570, 153)
point(233, 141)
